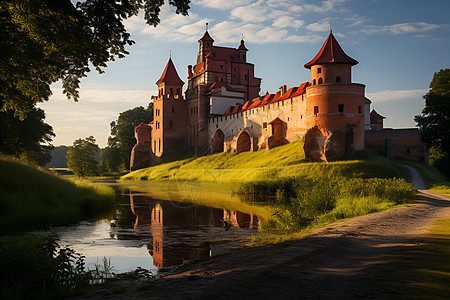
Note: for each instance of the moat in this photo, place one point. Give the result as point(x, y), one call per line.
point(156, 227)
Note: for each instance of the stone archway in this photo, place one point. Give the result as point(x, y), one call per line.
point(217, 141)
point(315, 144)
point(243, 143)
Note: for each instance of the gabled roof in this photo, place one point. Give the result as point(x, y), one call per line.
point(218, 84)
point(206, 37)
point(375, 115)
point(229, 110)
point(276, 121)
point(331, 52)
point(170, 74)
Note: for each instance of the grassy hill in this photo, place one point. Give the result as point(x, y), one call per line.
point(32, 198)
point(284, 161)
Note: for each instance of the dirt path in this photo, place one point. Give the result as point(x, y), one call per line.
point(356, 258)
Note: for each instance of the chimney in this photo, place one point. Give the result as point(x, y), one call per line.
point(190, 71)
point(283, 90)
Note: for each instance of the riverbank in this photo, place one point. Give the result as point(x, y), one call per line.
point(33, 198)
point(279, 162)
point(371, 256)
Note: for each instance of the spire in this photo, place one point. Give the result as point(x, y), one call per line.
point(206, 37)
point(331, 52)
point(242, 46)
point(170, 74)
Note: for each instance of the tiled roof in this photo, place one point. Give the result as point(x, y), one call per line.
point(219, 84)
point(170, 74)
point(276, 121)
point(206, 37)
point(142, 125)
point(375, 115)
point(331, 52)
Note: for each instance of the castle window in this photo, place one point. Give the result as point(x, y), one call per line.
point(319, 70)
point(245, 77)
point(301, 117)
point(314, 82)
point(316, 110)
point(273, 129)
point(234, 69)
point(154, 146)
point(265, 125)
point(159, 145)
point(173, 110)
point(341, 108)
point(320, 80)
point(178, 91)
point(338, 79)
point(171, 91)
point(408, 151)
point(221, 79)
point(170, 124)
point(221, 67)
point(359, 109)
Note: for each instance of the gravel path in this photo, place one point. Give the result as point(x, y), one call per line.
point(355, 258)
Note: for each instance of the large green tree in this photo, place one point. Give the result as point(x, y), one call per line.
point(29, 139)
point(81, 157)
point(434, 122)
point(44, 41)
point(122, 137)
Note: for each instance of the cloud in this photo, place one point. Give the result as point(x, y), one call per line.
point(304, 38)
point(395, 95)
point(287, 21)
point(403, 28)
point(323, 25)
point(220, 4)
point(92, 114)
point(230, 31)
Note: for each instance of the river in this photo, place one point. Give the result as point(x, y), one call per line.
point(156, 226)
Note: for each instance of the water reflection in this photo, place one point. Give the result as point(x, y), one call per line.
point(180, 232)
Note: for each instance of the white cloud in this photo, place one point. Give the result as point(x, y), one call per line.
point(287, 21)
point(304, 38)
point(251, 13)
point(323, 25)
point(394, 95)
point(403, 28)
point(230, 32)
point(220, 4)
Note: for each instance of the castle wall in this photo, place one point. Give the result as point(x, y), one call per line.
point(256, 122)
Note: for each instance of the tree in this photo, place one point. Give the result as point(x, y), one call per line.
point(110, 159)
point(29, 139)
point(434, 122)
point(122, 131)
point(81, 157)
point(44, 41)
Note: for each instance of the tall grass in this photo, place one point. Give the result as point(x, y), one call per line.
point(31, 198)
point(304, 202)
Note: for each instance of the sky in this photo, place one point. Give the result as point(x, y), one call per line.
point(399, 44)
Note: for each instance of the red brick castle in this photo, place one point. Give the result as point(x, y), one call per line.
point(222, 110)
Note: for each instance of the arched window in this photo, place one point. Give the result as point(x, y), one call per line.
point(338, 79)
point(314, 82)
point(320, 80)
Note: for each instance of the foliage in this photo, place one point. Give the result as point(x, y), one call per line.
point(43, 42)
point(303, 201)
point(36, 267)
point(28, 138)
point(434, 122)
point(81, 157)
point(122, 138)
point(110, 159)
point(32, 198)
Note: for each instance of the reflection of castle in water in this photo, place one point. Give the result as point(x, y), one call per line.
point(183, 232)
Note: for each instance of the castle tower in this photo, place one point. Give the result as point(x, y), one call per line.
point(169, 114)
point(335, 105)
point(205, 46)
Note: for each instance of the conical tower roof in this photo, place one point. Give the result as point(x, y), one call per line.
point(206, 37)
point(331, 52)
point(170, 74)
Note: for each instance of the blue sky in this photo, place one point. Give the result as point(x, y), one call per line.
point(399, 46)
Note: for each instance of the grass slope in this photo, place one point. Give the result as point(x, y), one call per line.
point(284, 161)
point(31, 198)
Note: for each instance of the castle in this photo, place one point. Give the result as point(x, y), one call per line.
point(222, 110)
